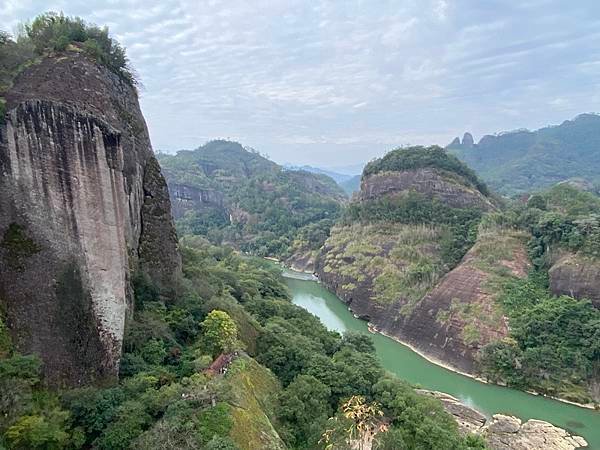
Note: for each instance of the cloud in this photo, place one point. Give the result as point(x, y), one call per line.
point(308, 81)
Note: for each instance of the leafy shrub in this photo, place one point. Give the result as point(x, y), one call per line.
point(49, 431)
point(55, 32)
point(553, 340)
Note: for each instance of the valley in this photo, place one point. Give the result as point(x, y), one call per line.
point(143, 304)
point(405, 363)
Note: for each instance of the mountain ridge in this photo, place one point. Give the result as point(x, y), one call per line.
point(520, 161)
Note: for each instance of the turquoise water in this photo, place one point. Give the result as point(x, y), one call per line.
point(406, 364)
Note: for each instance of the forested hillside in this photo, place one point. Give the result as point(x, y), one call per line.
point(231, 364)
point(554, 326)
point(525, 161)
point(236, 196)
point(428, 256)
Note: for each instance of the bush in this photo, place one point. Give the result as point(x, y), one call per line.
point(55, 31)
point(93, 409)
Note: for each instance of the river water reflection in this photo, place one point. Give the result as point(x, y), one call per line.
point(406, 364)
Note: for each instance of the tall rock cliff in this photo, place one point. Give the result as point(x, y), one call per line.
point(83, 206)
point(403, 259)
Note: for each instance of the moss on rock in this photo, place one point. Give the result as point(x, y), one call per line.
point(253, 389)
point(18, 246)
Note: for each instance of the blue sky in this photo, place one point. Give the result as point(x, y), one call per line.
point(334, 83)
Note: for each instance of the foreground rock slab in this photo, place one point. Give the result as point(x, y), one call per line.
point(503, 432)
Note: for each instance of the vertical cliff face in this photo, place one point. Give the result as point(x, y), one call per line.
point(404, 260)
point(83, 205)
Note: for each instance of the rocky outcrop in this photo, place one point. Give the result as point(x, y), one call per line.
point(503, 432)
point(455, 142)
point(461, 314)
point(577, 276)
point(396, 275)
point(448, 188)
point(83, 206)
point(468, 140)
point(188, 198)
point(450, 317)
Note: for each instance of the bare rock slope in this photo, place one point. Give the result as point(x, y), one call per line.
point(503, 432)
point(577, 276)
point(83, 206)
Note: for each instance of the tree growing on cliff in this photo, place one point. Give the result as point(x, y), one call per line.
point(219, 333)
point(52, 31)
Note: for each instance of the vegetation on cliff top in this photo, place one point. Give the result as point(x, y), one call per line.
point(412, 158)
point(54, 32)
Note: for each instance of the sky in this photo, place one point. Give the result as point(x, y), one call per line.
point(336, 83)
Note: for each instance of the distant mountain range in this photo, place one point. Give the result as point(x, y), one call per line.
point(524, 161)
point(232, 194)
point(349, 182)
point(338, 177)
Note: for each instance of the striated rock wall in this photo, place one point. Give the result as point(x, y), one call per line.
point(449, 188)
point(83, 206)
point(456, 315)
point(188, 198)
point(461, 314)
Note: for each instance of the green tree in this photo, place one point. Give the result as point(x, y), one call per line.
point(49, 432)
point(303, 410)
point(219, 332)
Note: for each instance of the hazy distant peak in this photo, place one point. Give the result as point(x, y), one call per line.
point(467, 141)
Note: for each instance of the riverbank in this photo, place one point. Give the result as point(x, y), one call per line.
point(453, 369)
point(405, 363)
point(438, 362)
point(503, 432)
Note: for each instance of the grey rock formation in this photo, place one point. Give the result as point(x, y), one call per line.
point(455, 142)
point(503, 432)
point(83, 206)
point(577, 276)
point(431, 182)
point(188, 198)
point(468, 140)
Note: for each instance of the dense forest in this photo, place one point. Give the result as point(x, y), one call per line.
point(171, 396)
point(266, 209)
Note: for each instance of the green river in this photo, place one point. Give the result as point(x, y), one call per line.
point(406, 364)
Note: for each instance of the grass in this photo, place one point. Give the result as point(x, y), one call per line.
point(402, 260)
point(253, 389)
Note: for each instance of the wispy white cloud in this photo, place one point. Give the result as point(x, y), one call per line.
point(303, 81)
